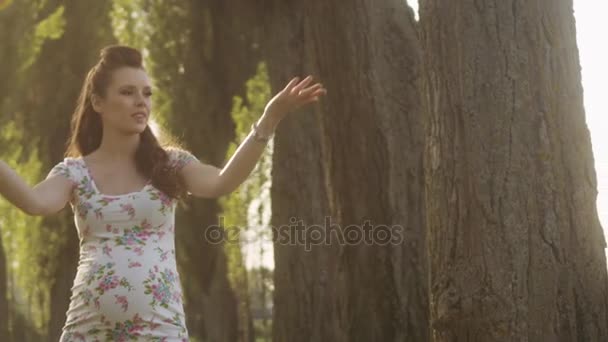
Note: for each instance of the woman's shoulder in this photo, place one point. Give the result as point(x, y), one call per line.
point(69, 167)
point(179, 157)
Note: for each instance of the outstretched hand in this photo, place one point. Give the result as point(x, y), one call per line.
point(294, 96)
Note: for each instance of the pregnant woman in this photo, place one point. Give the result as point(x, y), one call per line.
point(123, 187)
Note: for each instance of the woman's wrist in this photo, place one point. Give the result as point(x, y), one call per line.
point(267, 124)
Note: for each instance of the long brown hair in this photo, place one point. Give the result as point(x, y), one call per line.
point(151, 158)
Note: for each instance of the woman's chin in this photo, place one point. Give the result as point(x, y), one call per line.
point(138, 129)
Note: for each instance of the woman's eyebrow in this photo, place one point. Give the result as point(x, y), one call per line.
point(133, 86)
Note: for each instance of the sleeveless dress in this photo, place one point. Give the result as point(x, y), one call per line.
point(127, 287)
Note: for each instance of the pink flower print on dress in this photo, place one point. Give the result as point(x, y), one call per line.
point(111, 281)
point(129, 239)
point(122, 300)
point(83, 209)
point(107, 250)
point(126, 331)
point(138, 235)
point(163, 254)
point(107, 283)
point(161, 288)
point(134, 264)
point(74, 337)
point(124, 283)
point(173, 320)
point(139, 251)
point(128, 208)
point(166, 202)
point(90, 248)
point(104, 201)
point(86, 231)
point(98, 213)
point(85, 188)
point(97, 271)
point(86, 296)
point(145, 225)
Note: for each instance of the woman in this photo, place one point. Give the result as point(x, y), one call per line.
point(123, 188)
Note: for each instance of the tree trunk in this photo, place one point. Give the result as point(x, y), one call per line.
point(87, 30)
point(214, 46)
point(3, 300)
point(517, 250)
point(356, 157)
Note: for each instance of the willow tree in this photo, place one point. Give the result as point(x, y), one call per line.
point(14, 40)
point(67, 58)
point(201, 53)
point(354, 161)
point(67, 37)
point(517, 250)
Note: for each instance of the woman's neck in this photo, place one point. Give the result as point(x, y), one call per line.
point(117, 147)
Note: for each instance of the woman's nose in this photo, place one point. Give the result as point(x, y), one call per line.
point(140, 100)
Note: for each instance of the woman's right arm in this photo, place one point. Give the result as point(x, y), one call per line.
point(46, 198)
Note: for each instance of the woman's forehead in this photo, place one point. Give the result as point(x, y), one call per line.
point(128, 76)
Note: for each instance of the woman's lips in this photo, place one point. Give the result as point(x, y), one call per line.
point(139, 116)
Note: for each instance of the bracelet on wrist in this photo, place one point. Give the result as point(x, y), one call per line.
point(257, 136)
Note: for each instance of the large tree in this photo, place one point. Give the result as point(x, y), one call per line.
point(3, 301)
point(201, 55)
point(60, 42)
point(516, 247)
point(66, 55)
point(356, 157)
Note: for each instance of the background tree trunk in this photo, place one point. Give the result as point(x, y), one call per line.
point(345, 162)
point(517, 250)
point(3, 299)
point(42, 110)
point(212, 52)
point(87, 30)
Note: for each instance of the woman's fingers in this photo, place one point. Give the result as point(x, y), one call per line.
point(302, 84)
point(310, 90)
point(292, 83)
point(317, 88)
point(304, 94)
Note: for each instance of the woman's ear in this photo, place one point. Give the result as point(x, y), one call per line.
point(95, 103)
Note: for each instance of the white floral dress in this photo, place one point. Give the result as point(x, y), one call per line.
point(127, 287)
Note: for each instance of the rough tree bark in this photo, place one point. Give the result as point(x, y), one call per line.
point(355, 157)
point(517, 250)
point(3, 300)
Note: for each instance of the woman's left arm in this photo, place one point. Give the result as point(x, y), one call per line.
point(208, 181)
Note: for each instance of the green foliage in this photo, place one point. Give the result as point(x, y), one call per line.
point(33, 121)
point(250, 197)
point(21, 233)
point(52, 27)
point(236, 204)
point(128, 21)
point(135, 23)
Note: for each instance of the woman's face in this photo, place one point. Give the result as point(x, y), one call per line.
point(126, 104)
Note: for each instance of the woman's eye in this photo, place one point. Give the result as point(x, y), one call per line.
point(129, 92)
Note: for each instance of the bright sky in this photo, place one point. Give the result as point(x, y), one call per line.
point(591, 28)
